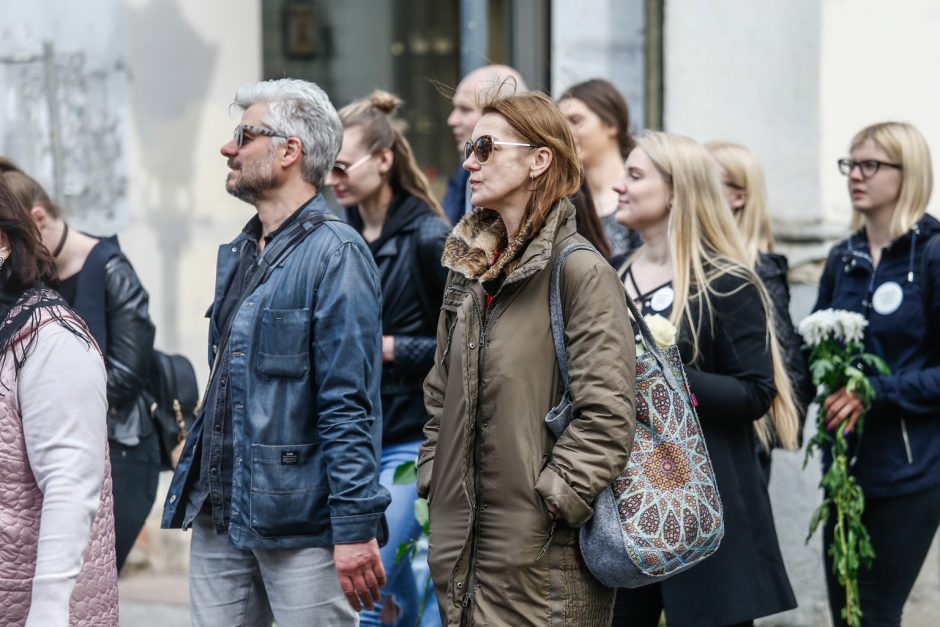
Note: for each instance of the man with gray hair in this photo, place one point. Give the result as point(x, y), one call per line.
point(477, 88)
point(279, 476)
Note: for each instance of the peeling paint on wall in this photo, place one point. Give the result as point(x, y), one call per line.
point(61, 125)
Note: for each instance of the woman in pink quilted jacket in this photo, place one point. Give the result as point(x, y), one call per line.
point(56, 524)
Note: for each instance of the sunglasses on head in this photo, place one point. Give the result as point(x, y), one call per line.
point(241, 138)
point(482, 147)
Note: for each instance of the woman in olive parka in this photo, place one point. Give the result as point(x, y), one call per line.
point(505, 498)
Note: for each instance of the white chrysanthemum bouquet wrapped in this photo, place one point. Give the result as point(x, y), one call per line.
point(664, 332)
point(838, 360)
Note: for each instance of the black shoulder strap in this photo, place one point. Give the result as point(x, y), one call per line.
point(272, 257)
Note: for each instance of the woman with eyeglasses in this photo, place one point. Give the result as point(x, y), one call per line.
point(56, 521)
point(889, 271)
point(97, 280)
point(505, 497)
point(600, 120)
point(390, 203)
point(742, 180)
point(693, 269)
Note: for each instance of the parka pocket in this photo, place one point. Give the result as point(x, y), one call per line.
point(287, 497)
point(284, 343)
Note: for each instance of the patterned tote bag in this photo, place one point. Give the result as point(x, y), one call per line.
point(662, 514)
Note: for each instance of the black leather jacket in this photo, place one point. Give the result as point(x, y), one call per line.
point(111, 299)
point(408, 255)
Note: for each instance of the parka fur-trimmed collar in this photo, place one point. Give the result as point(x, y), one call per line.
point(471, 248)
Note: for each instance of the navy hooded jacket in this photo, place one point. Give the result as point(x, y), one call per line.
point(899, 451)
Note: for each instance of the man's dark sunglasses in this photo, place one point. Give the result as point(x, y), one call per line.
point(241, 138)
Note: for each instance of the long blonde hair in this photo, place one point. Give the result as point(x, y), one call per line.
point(745, 174)
point(704, 246)
point(906, 146)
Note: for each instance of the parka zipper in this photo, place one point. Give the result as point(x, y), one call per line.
point(471, 578)
point(907, 442)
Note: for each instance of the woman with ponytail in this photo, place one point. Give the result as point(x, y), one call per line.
point(693, 269)
point(389, 202)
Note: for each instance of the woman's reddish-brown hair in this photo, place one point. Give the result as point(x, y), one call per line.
point(536, 120)
point(29, 262)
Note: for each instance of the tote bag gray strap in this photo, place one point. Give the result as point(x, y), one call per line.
point(650, 343)
point(558, 323)
point(555, 309)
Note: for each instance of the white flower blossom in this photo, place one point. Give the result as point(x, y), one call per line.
point(837, 324)
point(663, 331)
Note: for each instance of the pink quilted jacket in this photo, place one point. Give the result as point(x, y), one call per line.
point(94, 599)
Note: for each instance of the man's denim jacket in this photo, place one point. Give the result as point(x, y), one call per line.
point(305, 372)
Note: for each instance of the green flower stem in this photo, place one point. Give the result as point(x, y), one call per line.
point(833, 367)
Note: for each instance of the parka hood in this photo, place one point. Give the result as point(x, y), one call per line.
point(472, 247)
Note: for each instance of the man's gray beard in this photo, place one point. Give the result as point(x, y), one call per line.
point(252, 185)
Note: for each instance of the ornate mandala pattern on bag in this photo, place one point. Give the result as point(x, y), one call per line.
point(666, 497)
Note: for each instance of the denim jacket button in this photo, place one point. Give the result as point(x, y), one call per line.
point(172, 498)
point(472, 345)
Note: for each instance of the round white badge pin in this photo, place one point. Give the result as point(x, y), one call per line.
point(887, 298)
point(662, 298)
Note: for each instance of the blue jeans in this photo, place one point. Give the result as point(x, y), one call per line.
point(402, 527)
point(254, 587)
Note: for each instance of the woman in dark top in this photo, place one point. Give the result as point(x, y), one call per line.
point(889, 271)
point(692, 269)
point(742, 181)
point(390, 203)
point(600, 120)
point(99, 283)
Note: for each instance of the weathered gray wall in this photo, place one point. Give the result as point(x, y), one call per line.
point(63, 113)
point(600, 39)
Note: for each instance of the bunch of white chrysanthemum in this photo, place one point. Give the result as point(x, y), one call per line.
point(838, 324)
point(664, 332)
point(838, 362)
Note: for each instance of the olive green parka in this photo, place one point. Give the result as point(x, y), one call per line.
point(490, 465)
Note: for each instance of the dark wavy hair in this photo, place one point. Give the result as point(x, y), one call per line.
point(29, 262)
point(601, 97)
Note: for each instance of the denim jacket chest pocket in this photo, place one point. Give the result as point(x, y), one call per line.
point(283, 349)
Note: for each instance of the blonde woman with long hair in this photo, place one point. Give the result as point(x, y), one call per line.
point(694, 270)
point(889, 271)
point(742, 181)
